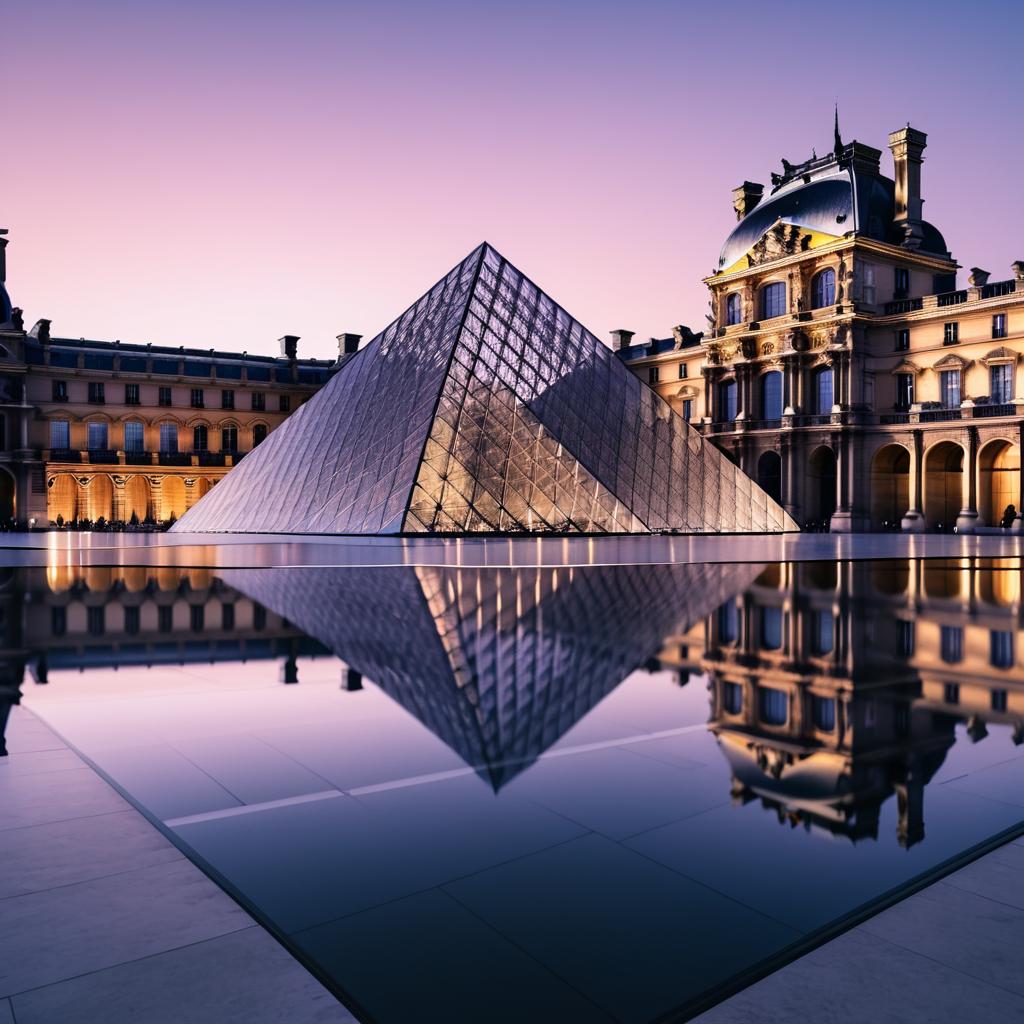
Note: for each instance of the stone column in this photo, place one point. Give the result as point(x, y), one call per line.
point(842, 518)
point(968, 517)
point(789, 475)
point(913, 521)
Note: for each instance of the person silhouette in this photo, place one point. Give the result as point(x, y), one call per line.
point(1009, 514)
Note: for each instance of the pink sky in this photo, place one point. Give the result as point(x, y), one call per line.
point(222, 173)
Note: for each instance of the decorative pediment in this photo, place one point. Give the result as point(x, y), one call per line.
point(907, 367)
point(780, 240)
point(688, 391)
point(1000, 355)
point(951, 362)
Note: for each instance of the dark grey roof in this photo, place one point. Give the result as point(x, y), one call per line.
point(840, 198)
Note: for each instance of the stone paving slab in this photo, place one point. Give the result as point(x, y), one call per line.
point(945, 955)
point(103, 919)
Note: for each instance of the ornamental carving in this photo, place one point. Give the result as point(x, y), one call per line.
point(778, 241)
point(999, 355)
point(767, 348)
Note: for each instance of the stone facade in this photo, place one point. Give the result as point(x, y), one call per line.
point(841, 368)
point(94, 430)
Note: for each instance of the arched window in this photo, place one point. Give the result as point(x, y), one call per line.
point(229, 439)
point(773, 300)
point(823, 395)
point(727, 401)
point(259, 433)
point(823, 289)
point(200, 439)
point(734, 309)
point(134, 436)
point(771, 396)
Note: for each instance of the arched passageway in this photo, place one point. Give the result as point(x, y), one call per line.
point(7, 497)
point(172, 498)
point(890, 486)
point(99, 498)
point(821, 487)
point(943, 485)
point(999, 480)
point(136, 498)
point(769, 475)
point(62, 498)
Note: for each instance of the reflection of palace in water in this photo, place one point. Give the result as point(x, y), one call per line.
point(80, 618)
point(835, 686)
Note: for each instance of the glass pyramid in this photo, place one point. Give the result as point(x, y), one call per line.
point(485, 408)
point(497, 663)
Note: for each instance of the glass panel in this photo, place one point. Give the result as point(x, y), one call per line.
point(133, 436)
point(60, 434)
point(168, 438)
point(771, 396)
point(823, 392)
point(97, 436)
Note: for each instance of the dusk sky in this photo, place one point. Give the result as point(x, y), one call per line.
point(222, 173)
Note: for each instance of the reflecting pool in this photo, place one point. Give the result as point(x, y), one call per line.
point(558, 793)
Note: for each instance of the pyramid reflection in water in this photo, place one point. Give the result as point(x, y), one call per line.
point(498, 663)
point(486, 408)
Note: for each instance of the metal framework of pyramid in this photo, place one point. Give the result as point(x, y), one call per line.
point(485, 408)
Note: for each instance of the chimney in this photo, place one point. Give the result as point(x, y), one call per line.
point(290, 346)
point(746, 197)
point(3, 255)
point(978, 277)
point(621, 339)
point(907, 145)
point(348, 344)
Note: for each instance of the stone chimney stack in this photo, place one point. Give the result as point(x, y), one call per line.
point(3, 255)
point(621, 339)
point(906, 146)
point(290, 346)
point(746, 197)
point(348, 344)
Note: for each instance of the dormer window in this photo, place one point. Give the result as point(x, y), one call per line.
point(773, 300)
point(823, 289)
point(733, 309)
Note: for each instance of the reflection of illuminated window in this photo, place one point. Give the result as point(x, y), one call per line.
point(732, 698)
point(951, 644)
point(771, 629)
point(131, 619)
point(824, 630)
point(58, 620)
point(165, 618)
point(1000, 650)
point(227, 616)
point(97, 623)
point(728, 623)
point(259, 617)
point(951, 693)
point(998, 700)
point(823, 712)
point(906, 639)
point(197, 618)
point(774, 706)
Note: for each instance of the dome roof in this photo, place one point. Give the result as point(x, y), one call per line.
point(839, 199)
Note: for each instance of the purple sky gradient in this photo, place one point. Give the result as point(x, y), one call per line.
point(222, 173)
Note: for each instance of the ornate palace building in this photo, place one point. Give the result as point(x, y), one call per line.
point(842, 368)
point(95, 430)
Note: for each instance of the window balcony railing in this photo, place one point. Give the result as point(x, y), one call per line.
point(936, 415)
point(951, 298)
point(1000, 409)
point(723, 427)
point(175, 459)
point(997, 288)
point(210, 458)
point(138, 458)
point(890, 418)
point(65, 455)
point(103, 455)
point(765, 424)
point(818, 419)
point(902, 306)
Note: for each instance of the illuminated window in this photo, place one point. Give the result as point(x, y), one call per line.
point(773, 706)
point(734, 309)
point(823, 289)
point(773, 300)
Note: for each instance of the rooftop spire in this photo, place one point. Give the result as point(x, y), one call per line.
point(838, 139)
